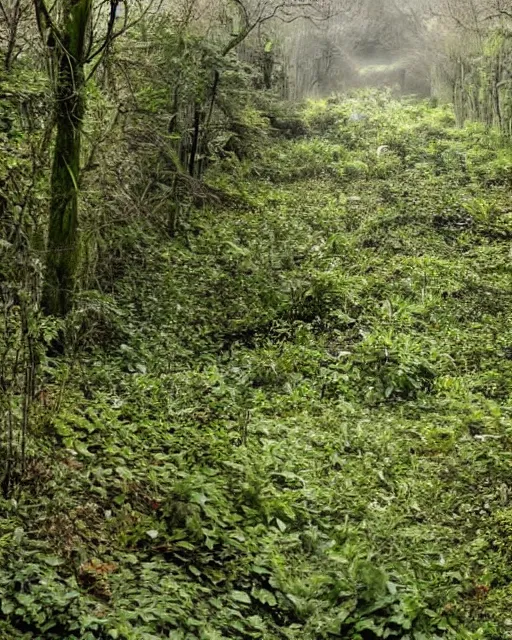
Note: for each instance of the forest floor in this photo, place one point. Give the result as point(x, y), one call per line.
point(301, 427)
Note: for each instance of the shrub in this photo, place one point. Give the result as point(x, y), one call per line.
point(393, 367)
point(355, 169)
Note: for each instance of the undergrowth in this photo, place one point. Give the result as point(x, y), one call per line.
point(298, 424)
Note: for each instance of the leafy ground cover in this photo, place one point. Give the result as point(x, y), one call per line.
point(301, 424)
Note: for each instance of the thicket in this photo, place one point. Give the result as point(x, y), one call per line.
point(474, 68)
point(110, 115)
point(256, 384)
point(290, 419)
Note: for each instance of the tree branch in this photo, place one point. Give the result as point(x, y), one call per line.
point(111, 36)
point(110, 27)
point(44, 20)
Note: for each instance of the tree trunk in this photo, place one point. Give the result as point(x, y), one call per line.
point(63, 241)
point(268, 67)
point(13, 34)
point(195, 140)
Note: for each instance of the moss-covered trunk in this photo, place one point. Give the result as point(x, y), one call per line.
point(63, 242)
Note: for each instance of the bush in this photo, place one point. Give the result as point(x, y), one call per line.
point(393, 367)
point(301, 160)
point(356, 169)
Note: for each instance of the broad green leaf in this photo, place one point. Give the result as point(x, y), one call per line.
point(241, 596)
point(281, 525)
point(7, 607)
point(265, 597)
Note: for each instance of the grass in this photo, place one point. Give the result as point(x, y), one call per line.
point(300, 425)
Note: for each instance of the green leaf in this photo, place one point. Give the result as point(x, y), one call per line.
point(62, 429)
point(260, 570)
point(131, 558)
point(392, 588)
point(53, 561)
point(18, 534)
point(7, 607)
point(256, 622)
point(198, 498)
point(81, 448)
point(73, 177)
point(242, 251)
point(183, 544)
point(241, 596)
point(265, 597)
point(124, 473)
point(281, 525)
point(25, 599)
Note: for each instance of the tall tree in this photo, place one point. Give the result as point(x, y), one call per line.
point(72, 44)
point(69, 42)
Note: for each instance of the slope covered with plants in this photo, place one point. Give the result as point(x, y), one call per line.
point(292, 420)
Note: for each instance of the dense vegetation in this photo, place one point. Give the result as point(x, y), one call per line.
point(292, 419)
point(255, 305)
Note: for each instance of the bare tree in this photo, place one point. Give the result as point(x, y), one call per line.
point(13, 13)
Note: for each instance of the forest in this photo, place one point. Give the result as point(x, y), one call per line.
point(256, 319)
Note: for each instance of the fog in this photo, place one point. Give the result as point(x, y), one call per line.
point(406, 45)
point(366, 43)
